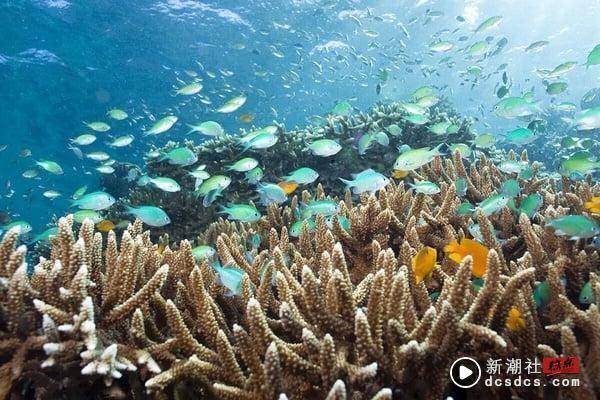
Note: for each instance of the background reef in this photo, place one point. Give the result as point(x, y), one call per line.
point(189, 217)
point(331, 314)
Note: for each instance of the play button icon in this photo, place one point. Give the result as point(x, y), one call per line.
point(465, 372)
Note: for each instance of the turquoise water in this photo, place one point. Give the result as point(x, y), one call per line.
point(62, 63)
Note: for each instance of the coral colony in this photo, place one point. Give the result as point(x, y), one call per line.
point(333, 294)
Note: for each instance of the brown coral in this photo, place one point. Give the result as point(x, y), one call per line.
point(336, 314)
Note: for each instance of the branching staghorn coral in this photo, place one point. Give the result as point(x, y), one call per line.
point(331, 314)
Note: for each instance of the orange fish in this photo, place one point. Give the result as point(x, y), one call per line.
point(400, 174)
point(593, 205)
point(288, 187)
point(515, 320)
point(246, 118)
point(423, 263)
point(105, 226)
point(468, 247)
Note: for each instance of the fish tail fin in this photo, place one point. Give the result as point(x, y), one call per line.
point(438, 148)
point(191, 130)
point(346, 182)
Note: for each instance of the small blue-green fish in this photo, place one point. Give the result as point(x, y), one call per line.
point(463, 149)
point(261, 141)
point(531, 204)
point(254, 175)
point(122, 141)
point(510, 188)
point(364, 143)
point(412, 159)
point(425, 187)
point(162, 125)
point(324, 147)
point(117, 114)
point(190, 89)
point(580, 162)
point(271, 193)
point(50, 166)
point(575, 227)
point(163, 183)
point(84, 140)
point(98, 126)
point(81, 215)
point(240, 212)
point(344, 222)
point(440, 128)
point(302, 176)
point(342, 109)
point(324, 207)
point(203, 253)
point(556, 88)
point(460, 185)
point(200, 174)
point(541, 294)
point(296, 227)
point(24, 227)
point(489, 23)
point(382, 138)
point(181, 156)
point(366, 181)
point(484, 141)
point(94, 201)
point(416, 119)
point(150, 215)
point(493, 204)
point(207, 128)
point(45, 236)
point(511, 166)
point(214, 182)
point(465, 208)
point(394, 129)
point(79, 192)
point(254, 240)
point(515, 107)
point(243, 165)
point(211, 196)
point(477, 284)
point(475, 231)
point(232, 105)
point(230, 277)
point(521, 136)
point(586, 296)
point(526, 173)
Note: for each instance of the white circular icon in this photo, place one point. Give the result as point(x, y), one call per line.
point(465, 372)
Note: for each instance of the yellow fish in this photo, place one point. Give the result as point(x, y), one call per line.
point(399, 174)
point(288, 187)
point(593, 205)
point(246, 118)
point(105, 226)
point(515, 320)
point(468, 247)
point(423, 263)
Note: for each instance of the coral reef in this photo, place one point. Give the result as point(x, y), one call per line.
point(331, 314)
point(190, 218)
